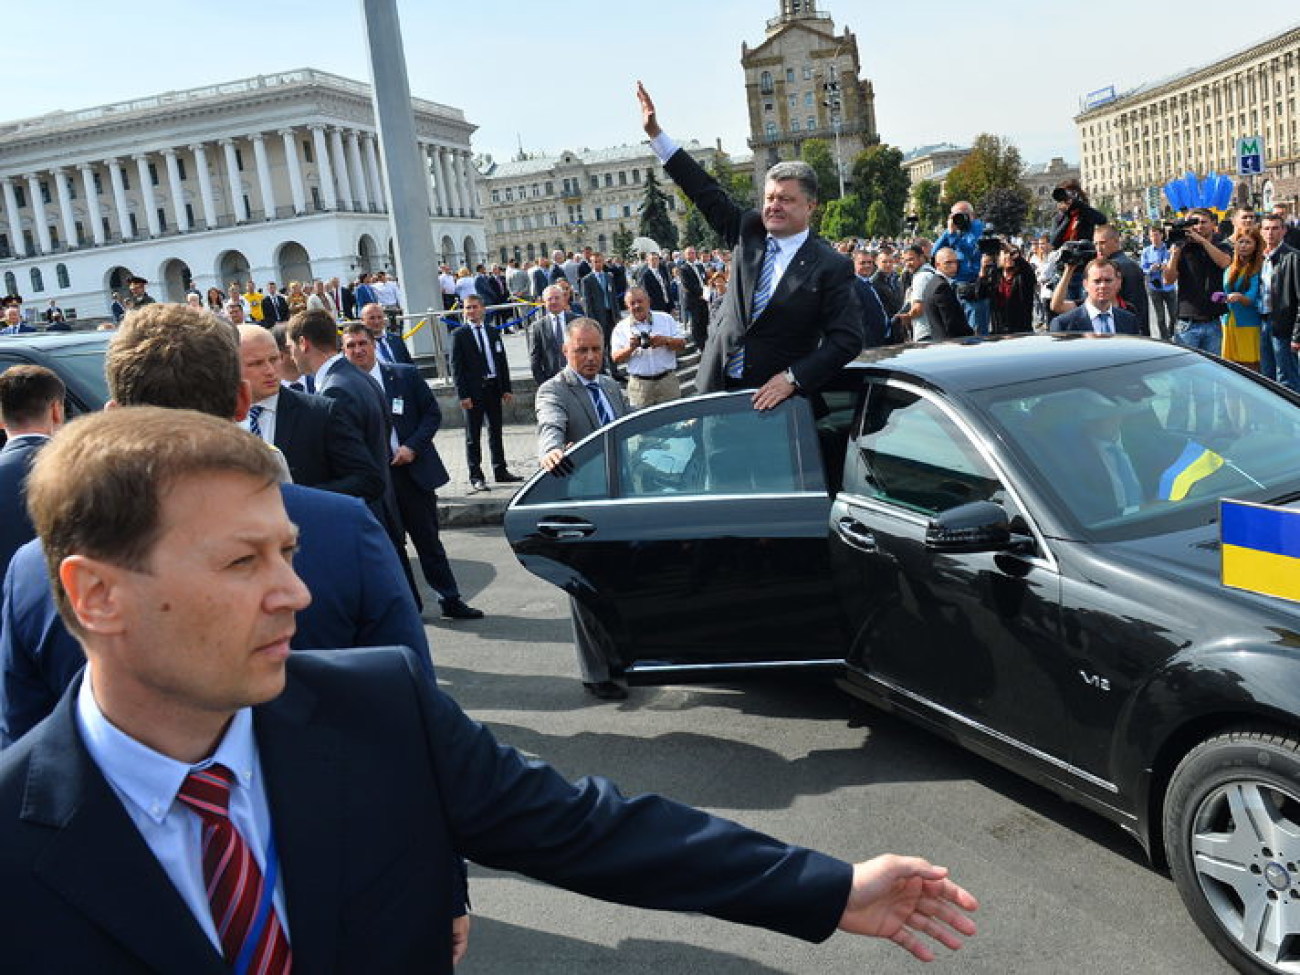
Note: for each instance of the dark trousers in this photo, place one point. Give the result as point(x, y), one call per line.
point(697, 316)
point(490, 410)
point(387, 512)
point(419, 510)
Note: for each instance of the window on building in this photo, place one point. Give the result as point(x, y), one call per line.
point(808, 99)
point(807, 72)
point(554, 218)
point(97, 182)
point(789, 76)
point(794, 125)
point(622, 177)
point(29, 243)
point(496, 196)
point(510, 195)
point(812, 123)
point(627, 210)
point(600, 214)
point(11, 283)
point(595, 181)
point(550, 188)
point(609, 179)
point(153, 174)
point(315, 198)
point(45, 192)
point(765, 83)
point(126, 179)
point(5, 250)
point(239, 159)
point(162, 219)
point(20, 197)
point(38, 282)
point(189, 214)
point(767, 106)
point(793, 99)
point(54, 236)
point(306, 150)
point(180, 167)
point(80, 232)
point(770, 130)
point(61, 274)
point(247, 210)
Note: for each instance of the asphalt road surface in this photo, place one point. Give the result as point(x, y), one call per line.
point(1061, 890)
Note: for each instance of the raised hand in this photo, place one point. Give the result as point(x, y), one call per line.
point(648, 120)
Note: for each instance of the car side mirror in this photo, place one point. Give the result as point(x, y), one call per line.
point(980, 526)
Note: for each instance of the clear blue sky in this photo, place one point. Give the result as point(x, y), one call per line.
point(561, 75)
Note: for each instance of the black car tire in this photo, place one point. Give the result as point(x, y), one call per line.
point(1232, 836)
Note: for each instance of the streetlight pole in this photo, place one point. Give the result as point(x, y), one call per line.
point(833, 102)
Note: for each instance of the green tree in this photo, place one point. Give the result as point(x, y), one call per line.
point(845, 217)
point(879, 223)
point(992, 162)
point(878, 176)
point(926, 205)
point(1004, 209)
point(817, 154)
point(739, 183)
point(655, 222)
point(696, 230)
point(621, 242)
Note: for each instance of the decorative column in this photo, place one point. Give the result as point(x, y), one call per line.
point(264, 175)
point(426, 151)
point(341, 169)
point(295, 170)
point(452, 191)
point(232, 181)
point(65, 207)
point(206, 194)
point(467, 174)
point(38, 206)
point(148, 200)
point(326, 170)
point(119, 198)
point(178, 194)
point(372, 161)
point(433, 158)
point(18, 245)
point(93, 213)
point(358, 174)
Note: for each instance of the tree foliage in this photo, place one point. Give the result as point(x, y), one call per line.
point(621, 242)
point(696, 230)
point(739, 183)
point(655, 222)
point(845, 217)
point(817, 154)
point(879, 177)
point(1004, 208)
point(993, 162)
point(879, 223)
point(926, 205)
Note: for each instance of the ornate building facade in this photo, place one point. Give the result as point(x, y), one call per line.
point(275, 178)
point(803, 81)
point(1143, 138)
point(537, 204)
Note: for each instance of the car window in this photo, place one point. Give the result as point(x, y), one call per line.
point(1141, 448)
point(726, 447)
point(589, 480)
point(913, 455)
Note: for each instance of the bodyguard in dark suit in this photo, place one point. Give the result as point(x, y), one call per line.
point(482, 376)
point(783, 332)
point(943, 309)
point(389, 346)
point(695, 310)
point(31, 409)
point(370, 781)
point(546, 334)
point(875, 321)
point(275, 306)
point(657, 282)
point(416, 468)
point(599, 296)
point(1099, 313)
point(13, 322)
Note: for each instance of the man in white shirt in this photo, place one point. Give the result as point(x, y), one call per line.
point(912, 318)
point(647, 343)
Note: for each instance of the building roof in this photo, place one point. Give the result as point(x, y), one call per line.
point(1042, 169)
point(912, 155)
point(536, 165)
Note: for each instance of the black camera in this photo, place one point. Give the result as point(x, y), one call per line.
point(1176, 230)
point(1075, 252)
point(960, 222)
point(1062, 195)
point(990, 244)
point(643, 340)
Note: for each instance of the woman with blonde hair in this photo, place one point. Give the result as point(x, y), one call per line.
point(1241, 294)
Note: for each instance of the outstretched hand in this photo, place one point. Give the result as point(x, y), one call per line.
point(907, 900)
point(648, 120)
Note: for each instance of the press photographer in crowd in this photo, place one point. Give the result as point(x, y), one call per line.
point(963, 236)
point(1075, 219)
point(1196, 264)
point(1007, 280)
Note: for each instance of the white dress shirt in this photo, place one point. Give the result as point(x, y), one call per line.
point(146, 783)
point(266, 421)
point(647, 362)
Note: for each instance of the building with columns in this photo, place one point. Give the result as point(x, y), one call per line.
point(534, 205)
point(1135, 142)
point(276, 178)
point(803, 82)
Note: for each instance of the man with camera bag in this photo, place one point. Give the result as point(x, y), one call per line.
point(1196, 265)
point(963, 236)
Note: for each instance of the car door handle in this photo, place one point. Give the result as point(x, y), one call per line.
point(856, 534)
point(565, 529)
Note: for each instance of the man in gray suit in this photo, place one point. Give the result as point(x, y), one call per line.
point(579, 401)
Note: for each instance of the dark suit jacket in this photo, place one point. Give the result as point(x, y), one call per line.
point(545, 354)
point(1133, 290)
point(396, 347)
point(594, 301)
point(1284, 299)
point(943, 311)
point(16, 529)
point(348, 302)
point(376, 782)
point(275, 308)
point(889, 290)
point(416, 424)
point(812, 324)
point(322, 450)
point(469, 367)
point(365, 603)
point(1077, 320)
point(538, 280)
point(660, 294)
point(875, 323)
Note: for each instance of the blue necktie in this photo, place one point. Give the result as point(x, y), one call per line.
point(381, 346)
point(254, 414)
point(602, 410)
point(762, 295)
point(1102, 324)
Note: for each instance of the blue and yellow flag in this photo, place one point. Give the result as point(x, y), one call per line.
point(1260, 548)
point(1193, 464)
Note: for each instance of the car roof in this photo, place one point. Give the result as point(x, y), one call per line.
point(983, 363)
point(54, 341)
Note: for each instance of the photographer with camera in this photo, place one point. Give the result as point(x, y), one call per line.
point(963, 236)
point(1009, 283)
point(1196, 264)
point(647, 343)
point(1075, 219)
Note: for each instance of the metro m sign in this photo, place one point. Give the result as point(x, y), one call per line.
point(1250, 156)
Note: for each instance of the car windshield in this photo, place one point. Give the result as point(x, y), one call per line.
point(1151, 447)
point(83, 369)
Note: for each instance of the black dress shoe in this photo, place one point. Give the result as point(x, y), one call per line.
point(505, 477)
point(478, 484)
point(606, 690)
point(456, 609)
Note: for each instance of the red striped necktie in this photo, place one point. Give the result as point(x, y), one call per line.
point(234, 882)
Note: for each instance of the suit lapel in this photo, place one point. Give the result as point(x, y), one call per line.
point(97, 860)
point(304, 788)
point(286, 420)
point(801, 266)
point(579, 389)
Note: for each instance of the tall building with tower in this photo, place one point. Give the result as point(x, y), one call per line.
point(803, 81)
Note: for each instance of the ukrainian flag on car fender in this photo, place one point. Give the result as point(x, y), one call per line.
point(1194, 463)
point(1260, 548)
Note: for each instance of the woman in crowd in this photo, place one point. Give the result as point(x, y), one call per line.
point(464, 284)
point(1043, 294)
point(215, 300)
point(297, 300)
point(1241, 294)
point(1075, 218)
point(716, 293)
point(1010, 285)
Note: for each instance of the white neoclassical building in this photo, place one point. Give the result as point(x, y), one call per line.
point(276, 178)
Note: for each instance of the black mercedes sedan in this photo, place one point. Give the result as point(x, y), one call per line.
point(1014, 542)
